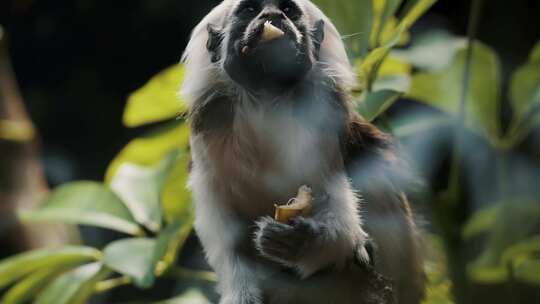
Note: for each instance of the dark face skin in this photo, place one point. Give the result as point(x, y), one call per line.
point(270, 66)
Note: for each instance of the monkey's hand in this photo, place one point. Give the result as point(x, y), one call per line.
point(286, 243)
point(308, 245)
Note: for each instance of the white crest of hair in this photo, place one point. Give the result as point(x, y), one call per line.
point(202, 74)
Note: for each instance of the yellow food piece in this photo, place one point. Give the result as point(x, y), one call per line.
point(270, 32)
point(301, 205)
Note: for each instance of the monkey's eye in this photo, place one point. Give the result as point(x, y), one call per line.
point(290, 9)
point(248, 8)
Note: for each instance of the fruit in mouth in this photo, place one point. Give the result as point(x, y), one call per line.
point(270, 32)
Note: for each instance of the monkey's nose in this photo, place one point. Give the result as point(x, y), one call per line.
point(273, 15)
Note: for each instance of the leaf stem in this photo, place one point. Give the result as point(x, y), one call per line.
point(184, 273)
point(108, 285)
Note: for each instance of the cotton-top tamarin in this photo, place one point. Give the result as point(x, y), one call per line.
point(268, 87)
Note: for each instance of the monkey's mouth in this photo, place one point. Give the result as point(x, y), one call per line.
point(267, 35)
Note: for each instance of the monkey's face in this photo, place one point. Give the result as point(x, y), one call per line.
point(266, 45)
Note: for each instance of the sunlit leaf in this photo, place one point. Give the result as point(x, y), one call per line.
point(27, 288)
point(73, 287)
point(86, 203)
point(134, 258)
point(191, 296)
point(353, 19)
point(481, 221)
point(140, 189)
point(432, 51)
point(156, 101)
point(16, 267)
point(443, 89)
point(151, 148)
point(414, 10)
point(175, 197)
point(384, 20)
point(375, 103)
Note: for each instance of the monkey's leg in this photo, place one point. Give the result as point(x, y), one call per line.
point(331, 237)
point(220, 233)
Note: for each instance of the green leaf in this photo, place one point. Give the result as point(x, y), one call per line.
point(353, 18)
point(86, 203)
point(192, 296)
point(376, 103)
point(27, 288)
point(408, 126)
point(140, 188)
point(482, 221)
point(73, 287)
point(535, 54)
point(151, 148)
point(516, 220)
point(156, 101)
point(134, 258)
point(414, 10)
point(525, 89)
point(528, 271)
point(170, 242)
point(443, 89)
point(432, 51)
point(16, 267)
point(175, 197)
point(383, 11)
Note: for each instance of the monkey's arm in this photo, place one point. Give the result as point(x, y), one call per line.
point(220, 233)
point(331, 237)
point(383, 179)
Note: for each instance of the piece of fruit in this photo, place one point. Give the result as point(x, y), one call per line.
point(301, 205)
point(270, 32)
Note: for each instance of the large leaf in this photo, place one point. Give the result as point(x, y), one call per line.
point(516, 220)
point(134, 258)
point(156, 101)
point(443, 89)
point(191, 296)
point(140, 188)
point(73, 287)
point(175, 197)
point(525, 97)
point(535, 54)
point(353, 18)
point(151, 148)
point(481, 221)
point(374, 104)
point(27, 288)
point(16, 267)
point(432, 51)
point(87, 203)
